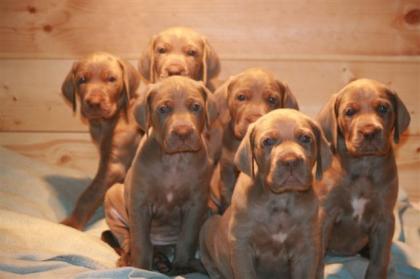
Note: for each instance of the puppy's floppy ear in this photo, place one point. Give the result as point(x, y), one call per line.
point(210, 63)
point(146, 63)
point(211, 110)
point(142, 109)
point(324, 154)
point(131, 79)
point(221, 96)
point(288, 99)
point(327, 119)
point(69, 86)
point(245, 156)
point(402, 116)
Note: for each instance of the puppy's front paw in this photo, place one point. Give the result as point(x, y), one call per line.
point(161, 263)
point(124, 260)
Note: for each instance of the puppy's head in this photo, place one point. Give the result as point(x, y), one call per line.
point(246, 97)
point(179, 51)
point(363, 115)
point(103, 83)
point(280, 150)
point(178, 109)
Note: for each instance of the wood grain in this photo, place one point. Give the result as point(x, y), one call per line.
point(75, 150)
point(237, 28)
point(30, 98)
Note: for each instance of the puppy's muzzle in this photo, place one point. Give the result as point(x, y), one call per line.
point(96, 106)
point(288, 173)
point(182, 137)
point(370, 132)
point(369, 140)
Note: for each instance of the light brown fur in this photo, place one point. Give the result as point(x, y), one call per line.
point(179, 51)
point(272, 228)
point(261, 93)
point(167, 186)
point(105, 86)
point(359, 191)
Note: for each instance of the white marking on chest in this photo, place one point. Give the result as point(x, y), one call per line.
point(169, 196)
point(358, 205)
point(279, 237)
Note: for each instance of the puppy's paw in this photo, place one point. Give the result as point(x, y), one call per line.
point(124, 260)
point(161, 263)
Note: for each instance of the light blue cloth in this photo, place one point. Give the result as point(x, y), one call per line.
point(35, 196)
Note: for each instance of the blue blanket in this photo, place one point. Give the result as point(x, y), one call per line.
point(35, 196)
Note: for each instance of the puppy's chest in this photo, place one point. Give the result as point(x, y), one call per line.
point(275, 229)
point(361, 201)
point(174, 182)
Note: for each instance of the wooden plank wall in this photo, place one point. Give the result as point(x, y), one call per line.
point(315, 46)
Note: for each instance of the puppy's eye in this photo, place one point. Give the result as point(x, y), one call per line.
point(268, 142)
point(382, 109)
point(164, 109)
point(196, 107)
point(272, 101)
point(350, 112)
point(241, 97)
point(112, 79)
point(82, 80)
point(191, 52)
point(305, 139)
point(161, 50)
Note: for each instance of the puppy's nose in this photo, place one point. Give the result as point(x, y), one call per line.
point(183, 132)
point(251, 118)
point(370, 132)
point(291, 160)
point(175, 70)
point(93, 103)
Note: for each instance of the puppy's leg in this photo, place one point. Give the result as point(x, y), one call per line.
point(140, 218)
point(193, 215)
point(242, 260)
point(228, 176)
point(207, 246)
point(92, 197)
point(380, 240)
point(305, 261)
point(117, 220)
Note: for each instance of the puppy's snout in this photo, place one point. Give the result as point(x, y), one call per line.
point(290, 160)
point(370, 132)
point(183, 132)
point(93, 102)
point(251, 118)
point(176, 70)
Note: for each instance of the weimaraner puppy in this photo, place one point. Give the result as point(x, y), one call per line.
point(164, 201)
point(179, 51)
point(242, 99)
point(272, 228)
point(106, 87)
point(359, 191)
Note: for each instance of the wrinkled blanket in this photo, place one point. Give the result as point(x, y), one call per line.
point(35, 196)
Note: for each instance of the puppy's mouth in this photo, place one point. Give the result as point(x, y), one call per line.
point(239, 129)
point(98, 114)
point(172, 146)
point(367, 148)
point(287, 183)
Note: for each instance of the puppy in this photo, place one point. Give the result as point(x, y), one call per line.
point(242, 100)
point(166, 189)
point(359, 191)
point(179, 51)
point(271, 229)
point(105, 86)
